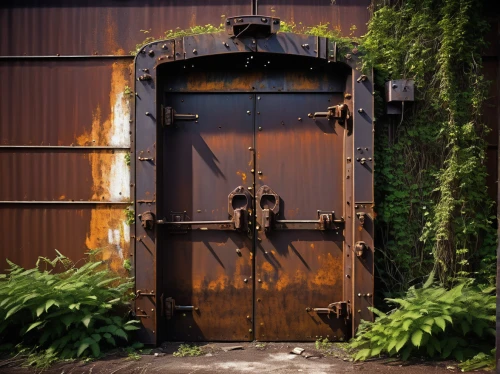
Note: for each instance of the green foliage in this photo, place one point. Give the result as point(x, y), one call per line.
point(128, 91)
point(127, 158)
point(323, 344)
point(187, 350)
point(433, 208)
point(127, 265)
point(72, 313)
point(177, 33)
point(129, 215)
point(456, 323)
point(479, 361)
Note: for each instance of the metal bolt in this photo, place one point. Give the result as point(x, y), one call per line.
point(252, 171)
point(196, 308)
point(264, 20)
point(248, 112)
point(260, 128)
point(194, 51)
point(259, 300)
point(347, 96)
point(250, 148)
point(250, 330)
point(369, 158)
point(225, 44)
point(359, 310)
point(257, 227)
point(250, 188)
point(300, 119)
point(347, 276)
point(394, 86)
point(260, 280)
point(151, 53)
point(259, 172)
point(360, 110)
point(164, 46)
point(359, 295)
point(259, 240)
point(369, 294)
point(363, 160)
point(147, 113)
point(305, 45)
point(245, 280)
point(248, 317)
point(238, 251)
point(152, 310)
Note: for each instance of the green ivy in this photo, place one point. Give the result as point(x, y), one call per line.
point(430, 180)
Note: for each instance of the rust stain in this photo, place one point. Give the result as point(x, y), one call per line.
point(242, 175)
point(111, 41)
point(283, 281)
point(327, 274)
point(108, 229)
point(301, 82)
point(201, 81)
point(109, 234)
point(220, 283)
point(267, 267)
point(312, 245)
point(62, 197)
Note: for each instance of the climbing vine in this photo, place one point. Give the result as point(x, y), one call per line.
point(432, 203)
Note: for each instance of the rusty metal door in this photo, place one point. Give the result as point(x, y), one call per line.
point(207, 269)
point(299, 268)
point(222, 283)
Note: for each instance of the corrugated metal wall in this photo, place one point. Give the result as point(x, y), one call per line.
point(64, 67)
point(64, 127)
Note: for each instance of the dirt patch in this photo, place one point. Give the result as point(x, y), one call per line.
point(255, 357)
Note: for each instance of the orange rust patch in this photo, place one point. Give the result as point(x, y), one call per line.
point(219, 284)
point(107, 225)
point(111, 39)
point(267, 267)
point(242, 175)
point(202, 82)
point(312, 245)
point(328, 273)
point(301, 82)
point(62, 197)
point(107, 233)
point(283, 281)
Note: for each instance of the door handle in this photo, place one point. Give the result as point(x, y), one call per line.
point(268, 205)
point(239, 204)
point(339, 112)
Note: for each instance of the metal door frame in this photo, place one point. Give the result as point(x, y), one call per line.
point(358, 166)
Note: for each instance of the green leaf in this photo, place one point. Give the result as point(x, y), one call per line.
point(49, 303)
point(440, 322)
point(416, 338)
point(406, 324)
point(34, 324)
point(402, 342)
point(14, 310)
point(86, 320)
point(120, 333)
point(96, 351)
point(81, 348)
point(362, 354)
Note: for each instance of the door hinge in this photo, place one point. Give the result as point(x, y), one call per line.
point(169, 116)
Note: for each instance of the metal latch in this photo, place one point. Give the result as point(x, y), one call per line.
point(169, 116)
point(169, 308)
point(254, 26)
point(337, 112)
point(147, 220)
point(339, 308)
point(239, 204)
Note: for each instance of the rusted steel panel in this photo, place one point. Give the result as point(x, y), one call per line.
point(29, 231)
point(51, 27)
point(63, 175)
point(64, 102)
point(207, 75)
point(340, 14)
point(210, 270)
point(301, 159)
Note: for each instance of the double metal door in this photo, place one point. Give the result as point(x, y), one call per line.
point(252, 200)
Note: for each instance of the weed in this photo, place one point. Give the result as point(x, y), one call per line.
point(128, 91)
point(129, 215)
point(127, 158)
point(187, 350)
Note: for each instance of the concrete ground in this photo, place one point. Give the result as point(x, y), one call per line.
point(250, 358)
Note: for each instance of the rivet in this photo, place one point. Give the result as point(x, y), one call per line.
point(250, 330)
point(257, 227)
point(259, 172)
point(152, 310)
point(260, 128)
point(250, 188)
point(347, 96)
point(359, 295)
point(151, 53)
point(194, 51)
point(196, 308)
point(360, 110)
point(248, 112)
point(250, 148)
point(252, 171)
point(369, 294)
point(225, 44)
point(347, 276)
point(245, 280)
point(164, 46)
point(259, 300)
point(147, 113)
point(248, 317)
point(369, 158)
point(264, 20)
point(260, 281)
point(359, 310)
point(305, 45)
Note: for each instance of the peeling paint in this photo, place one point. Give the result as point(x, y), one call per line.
point(110, 172)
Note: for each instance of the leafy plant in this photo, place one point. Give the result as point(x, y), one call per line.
point(128, 91)
point(127, 158)
point(434, 321)
point(129, 215)
point(187, 350)
point(75, 312)
point(323, 344)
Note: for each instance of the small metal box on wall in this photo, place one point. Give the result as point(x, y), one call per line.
point(398, 91)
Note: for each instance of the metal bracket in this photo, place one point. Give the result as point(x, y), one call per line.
point(255, 26)
point(169, 116)
point(326, 221)
point(147, 220)
point(339, 308)
point(337, 112)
